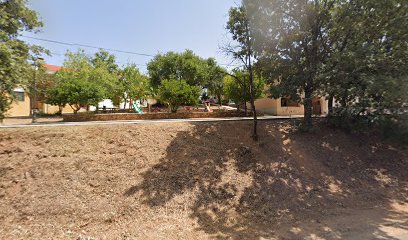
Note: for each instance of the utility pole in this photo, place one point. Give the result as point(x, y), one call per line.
point(33, 106)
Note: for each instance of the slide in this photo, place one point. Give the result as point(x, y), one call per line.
point(136, 107)
point(208, 107)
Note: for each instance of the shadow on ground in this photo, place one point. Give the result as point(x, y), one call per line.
point(328, 185)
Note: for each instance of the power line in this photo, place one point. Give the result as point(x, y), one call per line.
point(107, 49)
point(89, 46)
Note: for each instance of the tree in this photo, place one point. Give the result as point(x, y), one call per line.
point(75, 89)
point(291, 42)
point(106, 60)
point(83, 84)
point(179, 66)
point(215, 79)
point(57, 96)
point(178, 92)
point(38, 82)
point(237, 89)
point(238, 26)
point(341, 49)
point(14, 53)
point(367, 71)
point(133, 84)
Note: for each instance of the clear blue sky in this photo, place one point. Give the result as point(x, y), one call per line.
point(144, 26)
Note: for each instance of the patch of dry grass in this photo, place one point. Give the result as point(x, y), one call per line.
point(199, 181)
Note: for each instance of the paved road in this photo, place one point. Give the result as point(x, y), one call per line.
point(59, 124)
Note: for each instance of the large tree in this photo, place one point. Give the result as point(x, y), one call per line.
point(187, 66)
point(242, 49)
point(236, 87)
point(82, 82)
point(344, 49)
point(15, 17)
point(215, 79)
point(290, 38)
point(133, 84)
point(178, 92)
point(367, 69)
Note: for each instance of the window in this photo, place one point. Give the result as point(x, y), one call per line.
point(286, 102)
point(19, 96)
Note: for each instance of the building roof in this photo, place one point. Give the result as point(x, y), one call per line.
point(53, 68)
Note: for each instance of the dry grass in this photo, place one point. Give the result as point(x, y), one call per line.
point(199, 181)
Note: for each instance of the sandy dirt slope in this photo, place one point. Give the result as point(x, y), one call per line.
point(200, 181)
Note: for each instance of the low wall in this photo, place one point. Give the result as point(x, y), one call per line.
point(84, 117)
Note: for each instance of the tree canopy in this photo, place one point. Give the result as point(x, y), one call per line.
point(15, 54)
point(178, 92)
point(334, 48)
point(187, 66)
point(242, 50)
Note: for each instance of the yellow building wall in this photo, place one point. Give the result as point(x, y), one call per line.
point(20, 109)
point(288, 111)
point(273, 107)
point(324, 105)
point(50, 109)
point(266, 105)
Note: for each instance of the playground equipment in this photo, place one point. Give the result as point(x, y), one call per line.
point(136, 107)
point(208, 107)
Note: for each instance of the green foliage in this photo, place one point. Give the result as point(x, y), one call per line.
point(215, 79)
point(14, 53)
point(291, 42)
point(367, 70)
point(133, 84)
point(5, 102)
point(186, 65)
point(238, 26)
point(178, 92)
point(105, 60)
point(81, 83)
point(354, 51)
point(57, 96)
point(76, 89)
point(387, 126)
point(236, 87)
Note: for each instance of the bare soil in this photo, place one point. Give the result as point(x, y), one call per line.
point(200, 181)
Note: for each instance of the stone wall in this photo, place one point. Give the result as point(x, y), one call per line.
point(84, 117)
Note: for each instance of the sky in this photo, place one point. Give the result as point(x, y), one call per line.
point(140, 26)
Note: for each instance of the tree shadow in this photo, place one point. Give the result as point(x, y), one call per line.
point(288, 185)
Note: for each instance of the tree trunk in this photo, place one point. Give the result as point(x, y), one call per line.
point(252, 101)
point(308, 108)
point(219, 100)
point(330, 103)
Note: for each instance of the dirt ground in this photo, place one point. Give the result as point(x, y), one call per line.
point(200, 181)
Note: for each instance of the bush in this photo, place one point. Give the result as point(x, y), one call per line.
point(177, 92)
point(390, 127)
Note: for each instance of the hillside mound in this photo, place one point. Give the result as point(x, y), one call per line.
point(200, 181)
